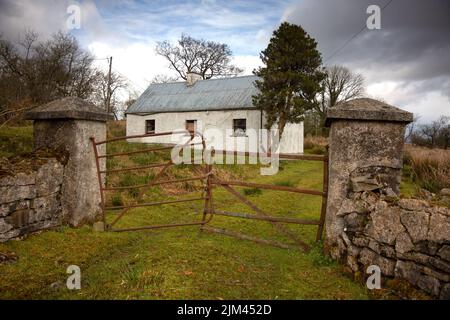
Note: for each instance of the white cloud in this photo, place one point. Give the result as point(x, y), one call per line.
point(247, 63)
point(138, 62)
point(405, 95)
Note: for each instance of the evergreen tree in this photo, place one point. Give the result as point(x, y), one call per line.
point(291, 77)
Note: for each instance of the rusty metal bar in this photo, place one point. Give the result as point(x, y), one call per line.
point(281, 156)
point(148, 204)
point(155, 183)
point(158, 226)
point(100, 183)
point(258, 211)
point(268, 186)
point(129, 207)
point(145, 135)
point(153, 165)
point(247, 237)
point(268, 218)
point(160, 173)
point(323, 210)
point(143, 150)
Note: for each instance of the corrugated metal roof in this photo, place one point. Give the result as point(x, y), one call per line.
point(212, 94)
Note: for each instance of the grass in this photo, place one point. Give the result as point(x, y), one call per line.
point(15, 140)
point(315, 144)
point(183, 263)
point(428, 168)
point(186, 263)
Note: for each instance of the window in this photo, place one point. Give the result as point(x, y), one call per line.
point(191, 125)
point(150, 126)
point(239, 127)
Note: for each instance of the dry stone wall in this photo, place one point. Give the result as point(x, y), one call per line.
point(407, 238)
point(367, 223)
point(30, 200)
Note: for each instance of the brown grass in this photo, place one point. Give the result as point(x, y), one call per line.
point(315, 144)
point(430, 168)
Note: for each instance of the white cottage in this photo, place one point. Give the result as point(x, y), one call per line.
point(220, 108)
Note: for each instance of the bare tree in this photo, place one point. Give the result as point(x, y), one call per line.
point(437, 133)
point(100, 96)
point(33, 72)
point(163, 78)
point(340, 85)
point(205, 58)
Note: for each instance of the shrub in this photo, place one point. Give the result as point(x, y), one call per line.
point(116, 200)
point(252, 191)
point(285, 183)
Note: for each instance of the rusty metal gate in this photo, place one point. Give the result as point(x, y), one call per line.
point(210, 181)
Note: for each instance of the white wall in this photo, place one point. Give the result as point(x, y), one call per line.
point(220, 121)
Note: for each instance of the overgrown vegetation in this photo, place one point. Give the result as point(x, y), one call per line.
point(35, 71)
point(428, 168)
point(184, 263)
point(315, 144)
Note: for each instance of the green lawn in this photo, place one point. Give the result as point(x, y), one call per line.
point(181, 263)
point(186, 263)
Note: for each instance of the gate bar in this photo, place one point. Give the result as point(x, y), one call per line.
point(145, 135)
point(267, 218)
point(153, 165)
point(148, 204)
point(155, 183)
point(143, 150)
point(279, 227)
point(288, 156)
point(247, 237)
point(158, 226)
point(324, 197)
point(268, 186)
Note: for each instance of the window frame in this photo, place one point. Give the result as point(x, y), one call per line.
point(194, 121)
point(147, 122)
point(237, 127)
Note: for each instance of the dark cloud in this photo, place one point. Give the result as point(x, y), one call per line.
point(412, 45)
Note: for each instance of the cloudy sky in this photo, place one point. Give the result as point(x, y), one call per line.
point(406, 62)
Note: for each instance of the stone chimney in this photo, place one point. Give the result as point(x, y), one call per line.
point(192, 78)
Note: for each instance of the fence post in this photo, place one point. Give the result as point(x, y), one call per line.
point(66, 125)
point(365, 152)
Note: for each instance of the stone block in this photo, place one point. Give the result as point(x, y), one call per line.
point(429, 284)
point(416, 222)
point(439, 229)
point(17, 193)
point(45, 208)
point(407, 270)
point(364, 183)
point(19, 218)
point(413, 204)
point(403, 243)
point(49, 178)
point(4, 226)
point(384, 225)
point(444, 253)
point(368, 257)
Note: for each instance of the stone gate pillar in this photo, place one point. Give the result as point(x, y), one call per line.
point(365, 153)
point(65, 125)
